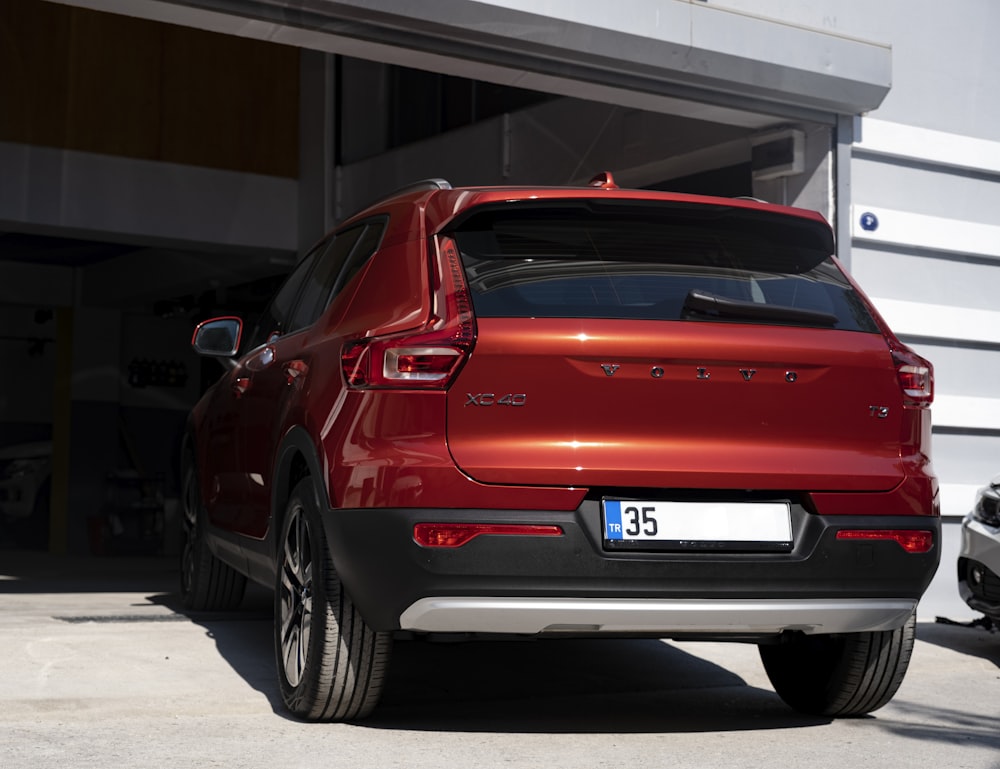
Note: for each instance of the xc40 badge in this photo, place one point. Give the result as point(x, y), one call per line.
point(492, 399)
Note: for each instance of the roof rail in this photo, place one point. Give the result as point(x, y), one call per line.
point(423, 184)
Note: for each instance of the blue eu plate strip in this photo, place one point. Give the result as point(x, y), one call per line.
point(612, 519)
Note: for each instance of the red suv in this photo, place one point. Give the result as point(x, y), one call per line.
point(568, 412)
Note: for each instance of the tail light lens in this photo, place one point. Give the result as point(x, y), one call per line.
point(919, 541)
point(916, 377)
point(428, 358)
point(457, 534)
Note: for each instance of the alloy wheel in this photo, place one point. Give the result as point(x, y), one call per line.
point(296, 598)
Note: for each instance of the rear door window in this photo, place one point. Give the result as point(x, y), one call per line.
point(276, 317)
point(317, 287)
point(350, 251)
point(656, 262)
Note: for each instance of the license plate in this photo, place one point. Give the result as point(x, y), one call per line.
point(658, 525)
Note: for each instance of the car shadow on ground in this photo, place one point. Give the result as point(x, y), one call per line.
point(609, 686)
point(570, 685)
point(243, 638)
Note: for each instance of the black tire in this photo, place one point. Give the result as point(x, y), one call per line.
point(331, 665)
point(840, 675)
point(207, 584)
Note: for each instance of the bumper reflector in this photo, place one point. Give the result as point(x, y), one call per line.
point(912, 541)
point(458, 534)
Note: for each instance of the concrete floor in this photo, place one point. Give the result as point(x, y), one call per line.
point(99, 668)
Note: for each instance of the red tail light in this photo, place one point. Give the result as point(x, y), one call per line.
point(426, 358)
point(458, 534)
point(916, 377)
point(911, 541)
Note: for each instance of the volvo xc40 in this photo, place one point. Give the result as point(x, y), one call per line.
point(568, 412)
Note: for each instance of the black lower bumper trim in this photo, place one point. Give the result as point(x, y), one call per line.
point(387, 572)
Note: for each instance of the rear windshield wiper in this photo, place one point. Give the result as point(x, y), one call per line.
point(701, 305)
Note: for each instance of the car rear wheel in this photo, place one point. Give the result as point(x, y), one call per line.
point(840, 675)
point(207, 583)
point(331, 665)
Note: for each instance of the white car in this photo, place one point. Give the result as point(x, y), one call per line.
point(979, 558)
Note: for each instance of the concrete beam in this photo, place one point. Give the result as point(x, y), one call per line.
point(678, 56)
point(144, 202)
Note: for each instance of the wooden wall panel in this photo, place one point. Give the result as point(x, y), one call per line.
point(97, 82)
point(230, 102)
point(113, 85)
point(34, 40)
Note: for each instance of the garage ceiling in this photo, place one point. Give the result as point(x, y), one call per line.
point(685, 57)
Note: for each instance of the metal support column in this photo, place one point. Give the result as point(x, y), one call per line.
point(842, 186)
point(317, 145)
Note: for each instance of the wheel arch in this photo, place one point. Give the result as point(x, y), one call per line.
point(296, 458)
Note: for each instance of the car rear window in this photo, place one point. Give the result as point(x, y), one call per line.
point(655, 262)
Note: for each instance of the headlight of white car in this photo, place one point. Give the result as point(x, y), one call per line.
point(987, 508)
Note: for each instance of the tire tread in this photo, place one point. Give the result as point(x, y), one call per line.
point(345, 668)
point(215, 585)
point(849, 675)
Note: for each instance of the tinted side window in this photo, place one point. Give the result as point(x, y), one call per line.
point(348, 253)
point(318, 285)
point(276, 317)
point(367, 244)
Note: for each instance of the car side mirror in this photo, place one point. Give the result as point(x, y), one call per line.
point(218, 337)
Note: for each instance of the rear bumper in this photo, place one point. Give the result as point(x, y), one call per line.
point(571, 584)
